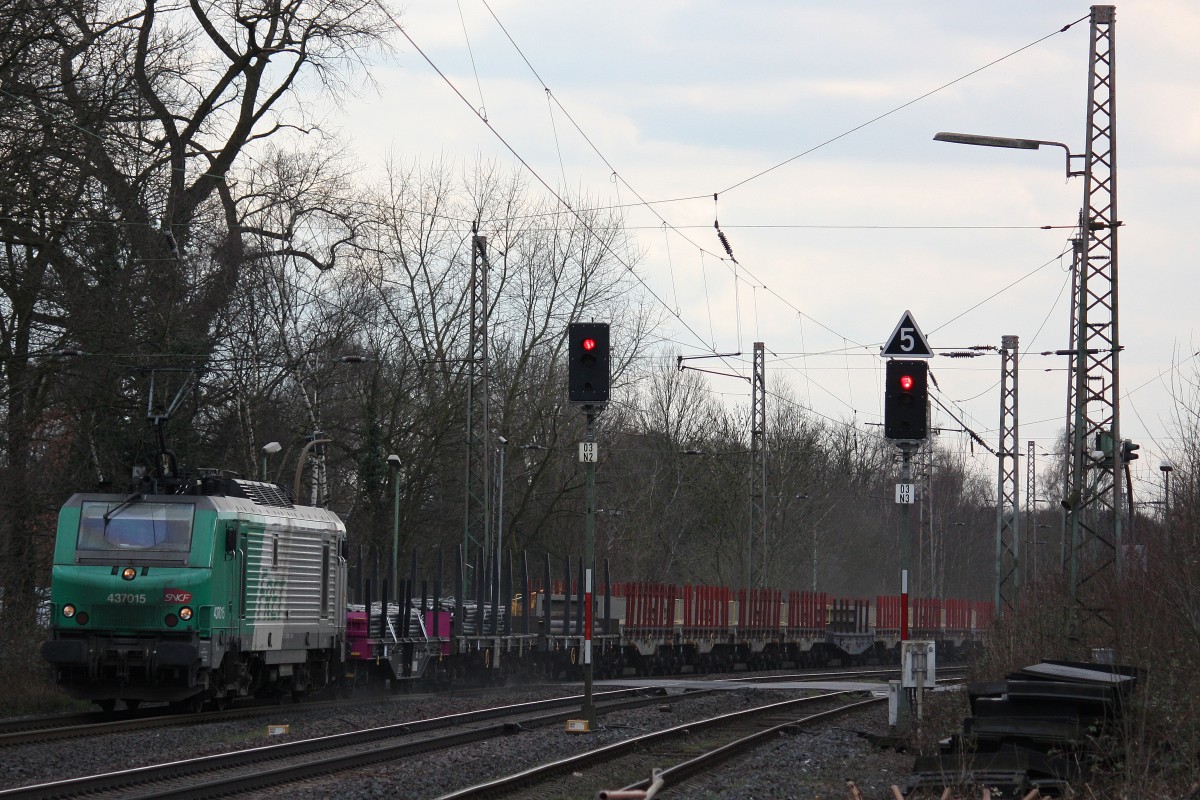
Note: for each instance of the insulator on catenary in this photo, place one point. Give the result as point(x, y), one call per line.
point(725, 244)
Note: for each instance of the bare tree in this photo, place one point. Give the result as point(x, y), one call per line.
point(125, 225)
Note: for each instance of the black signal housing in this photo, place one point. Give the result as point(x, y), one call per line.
point(587, 362)
point(906, 400)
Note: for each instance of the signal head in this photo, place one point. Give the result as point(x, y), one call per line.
point(906, 400)
point(588, 362)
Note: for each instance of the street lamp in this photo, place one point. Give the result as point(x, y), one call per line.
point(1034, 541)
point(315, 438)
point(500, 459)
point(269, 449)
point(1165, 467)
point(394, 465)
point(499, 527)
point(1002, 141)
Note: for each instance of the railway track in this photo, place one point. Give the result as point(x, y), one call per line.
point(286, 763)
point(275, 765)
point(33, 730)
point(693, 749)
point(49, 728)
point(9, 727)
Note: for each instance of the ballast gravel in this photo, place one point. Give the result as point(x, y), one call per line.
point(816, 762)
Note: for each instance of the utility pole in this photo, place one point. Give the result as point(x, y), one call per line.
point(1094, 499)
point(758, 469)
point(1008, 540)
point(907, 449)
point(477, 514)
point(589, 704)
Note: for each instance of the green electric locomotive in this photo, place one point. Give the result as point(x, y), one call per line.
point(205, 590)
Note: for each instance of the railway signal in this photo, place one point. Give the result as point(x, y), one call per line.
point(906, 400)
point(587, 385)
point(587, 362)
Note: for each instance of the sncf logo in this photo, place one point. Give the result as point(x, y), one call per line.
point(176, 596)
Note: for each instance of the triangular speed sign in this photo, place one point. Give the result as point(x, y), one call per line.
point(906, 340)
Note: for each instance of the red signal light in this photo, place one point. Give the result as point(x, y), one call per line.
point(906, 382)
point(589, 344)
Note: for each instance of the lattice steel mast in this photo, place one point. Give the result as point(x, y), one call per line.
point(1094, 498)
point(1067, 445)
point(1008, 539)
point(477, 515)
point(1031, 526)
point(758, 467)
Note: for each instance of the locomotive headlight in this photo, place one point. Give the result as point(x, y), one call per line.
point(68, 611)
point(185, 613)
point(129, 573)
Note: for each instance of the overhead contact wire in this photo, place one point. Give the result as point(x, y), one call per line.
point(524, 163)
point(903, 106)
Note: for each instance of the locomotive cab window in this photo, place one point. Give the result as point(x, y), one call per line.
point(139, 527)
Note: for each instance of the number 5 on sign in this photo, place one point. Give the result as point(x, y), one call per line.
point(589, 452)
point(907, 340)
point(905, 493)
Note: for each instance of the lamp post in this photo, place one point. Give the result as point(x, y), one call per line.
point(394, 467)
point(269, 449)
point(1034, 541)
point(1165, 467)
point(498, 553)
point(315, 438)
point(499, 524)
point(1096, 235)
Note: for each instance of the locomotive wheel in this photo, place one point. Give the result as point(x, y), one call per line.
point(132, 705)
point(106, 705)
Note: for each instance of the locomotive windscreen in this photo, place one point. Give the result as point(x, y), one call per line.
point(162, 527)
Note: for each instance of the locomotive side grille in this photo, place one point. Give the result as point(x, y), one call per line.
point(284, 575)
point(265, 494)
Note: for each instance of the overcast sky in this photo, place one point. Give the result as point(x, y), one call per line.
point(863, 221)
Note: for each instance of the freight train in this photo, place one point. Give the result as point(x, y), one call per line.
point(200, 590)
point(644, 629)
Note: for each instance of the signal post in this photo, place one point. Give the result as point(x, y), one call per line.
point(906, 422)
point(588, 388)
